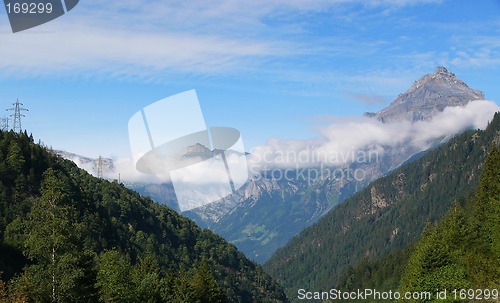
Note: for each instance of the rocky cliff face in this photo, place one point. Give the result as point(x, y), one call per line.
point(429, 96)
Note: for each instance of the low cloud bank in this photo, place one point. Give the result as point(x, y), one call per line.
point(342, 141)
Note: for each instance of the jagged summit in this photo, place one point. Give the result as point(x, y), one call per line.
point(201, 151)
point(197, 149)
point(440, 75)
point(428, 96)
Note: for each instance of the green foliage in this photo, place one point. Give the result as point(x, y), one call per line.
point(383, 274)
point(118, 281)
point(204, 285)
point(114, 280)
point(53, 243)
point(484, 257)
point(149, 284)
point(434, 264)
point(462, 252)
point(11, 293)
point(343, 246)
point(66, 236)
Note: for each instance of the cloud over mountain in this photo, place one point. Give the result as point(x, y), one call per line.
point(342, 138)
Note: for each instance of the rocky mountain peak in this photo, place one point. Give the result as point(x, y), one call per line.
point(440, 76)
point(198, 150)
point(428, 96)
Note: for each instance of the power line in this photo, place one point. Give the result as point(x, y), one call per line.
point(17, 115)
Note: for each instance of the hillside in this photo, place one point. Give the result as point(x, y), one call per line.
point(389, 214)
point(463, 251)
point(66, 236)
point(460, 252)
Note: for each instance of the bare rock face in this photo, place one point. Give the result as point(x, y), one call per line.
point(429, 96)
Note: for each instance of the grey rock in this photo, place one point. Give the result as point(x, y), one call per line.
point(428, 96)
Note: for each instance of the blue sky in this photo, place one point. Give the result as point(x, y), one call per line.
point(265, 67)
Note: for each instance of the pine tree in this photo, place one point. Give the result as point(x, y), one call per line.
point(52, 243)
point(182, 291)
point(463, 251)
point(15, 158)
point(204, 285)
point(436, 262)
point(146, 277)
point(114, 279)
point(484, 258)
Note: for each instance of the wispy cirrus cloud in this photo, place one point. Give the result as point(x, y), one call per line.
point(147, 38)
point(124, 52)
point(370, 99)
point(276, 41)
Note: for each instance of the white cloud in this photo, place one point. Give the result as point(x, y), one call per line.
point(340, 141)
point(345, 140)
point(123, 52)
point(147, 38)
point(453, 120)
point(125, 168)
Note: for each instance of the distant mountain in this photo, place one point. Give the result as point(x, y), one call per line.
point(198, 151)
point(265, 214)
point(89, 164)
point(388, 215)
point(428, 96)
point(67, 236)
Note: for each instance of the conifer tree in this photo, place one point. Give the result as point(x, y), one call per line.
point(484, 258)
point(204, 285)
point(52, 243)
point(114, 279)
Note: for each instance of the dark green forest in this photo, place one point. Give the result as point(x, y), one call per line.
point(66, 236)
point(461, 252)
point(367, 241)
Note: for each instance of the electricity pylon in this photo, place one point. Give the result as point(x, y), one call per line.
point(17, 115)
point(4, 124)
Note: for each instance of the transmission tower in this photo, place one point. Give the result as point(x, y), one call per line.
point(99, 168)
point(17, 115)
point(4, 124)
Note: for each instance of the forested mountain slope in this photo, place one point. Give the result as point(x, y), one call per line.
point(266, 213)
point(463, 251)
point(66, 236)
point(389, 214)
point(460, 253)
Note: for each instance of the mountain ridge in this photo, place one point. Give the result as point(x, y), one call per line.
point(300, 205)
point(384, 217)
point(264, 214)
point(427, 96)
